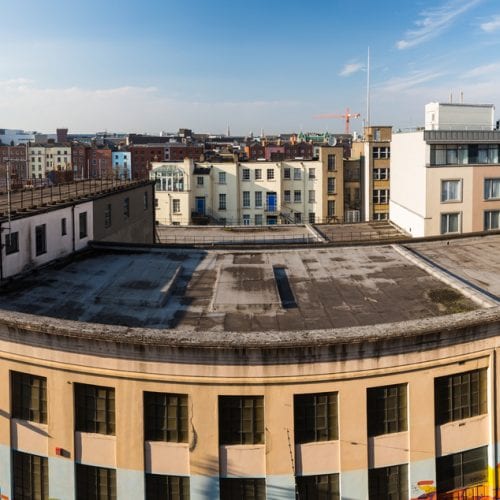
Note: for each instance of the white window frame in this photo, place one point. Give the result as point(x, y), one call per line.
point(445, 190)
point(445, 222)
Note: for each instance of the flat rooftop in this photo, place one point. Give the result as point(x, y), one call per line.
point(28, 201)
point(257, 291)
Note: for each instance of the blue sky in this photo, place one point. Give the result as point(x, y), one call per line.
point(160, 65)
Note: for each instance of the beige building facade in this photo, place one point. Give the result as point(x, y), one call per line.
point(239, 409)
point(446, 182)
point(250, 193)
point(374, 153)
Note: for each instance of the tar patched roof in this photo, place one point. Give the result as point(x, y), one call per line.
point(265, 290)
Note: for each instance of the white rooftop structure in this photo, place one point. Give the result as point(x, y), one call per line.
point(450, 116)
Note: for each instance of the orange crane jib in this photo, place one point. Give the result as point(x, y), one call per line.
point(345, 116)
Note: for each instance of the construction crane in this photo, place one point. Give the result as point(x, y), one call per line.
point(345, 116)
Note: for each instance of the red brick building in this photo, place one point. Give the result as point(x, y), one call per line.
point(177, 152)
point(17, 156)
point(141, 157)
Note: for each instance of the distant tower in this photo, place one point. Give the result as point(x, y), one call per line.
point(62, 135)
point(228, 133)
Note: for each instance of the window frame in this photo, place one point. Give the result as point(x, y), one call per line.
point(27, 387)
point(88, 416)
point(11, 242)
point(82, 225)
point(95, 482)
point(449, 391)
point(30, 476)
point(161, 486)
point(270, 174)
point(318, 486)
point(246, 488)
point(40, 239)
point(489, 222)
point(445, 194)
point(381, 482)
point(445, 222)
point(315, 417)
point(490, 188)
point(222, 201)
point(387, 409)
point(241, 420)
point(166, 417)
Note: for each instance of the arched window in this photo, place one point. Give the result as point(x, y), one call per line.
point(169, 178)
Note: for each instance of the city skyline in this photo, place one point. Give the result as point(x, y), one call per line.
point(159, 66)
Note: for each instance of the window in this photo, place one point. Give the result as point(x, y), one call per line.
point(386, 409)
point(297, 196)
point(94, 409)
point(82, 219)
point(388, 482)
point(159, 487)
point(270, 174)
point(331, 185)
point(381, 196)
point(41, 239)
point(258, 199)
point(451, 190)
point(381, 152)
point(491, 189)
point(491, 220)
point(146, 200)
point(176, 206)
point(380, 174)
point(312, 217)
point(258, 174)
point(200, 180)
point(95, 483)
point(245, 174)
point(459, 396)
point(63, 227)
point(242, 489)
point(286, 173)
point(312, 196)
point(30, 476)
point(312, 173)
point(297, 218)
point(246, 219)
point(107, 216)
point(241, 419)
point(462, 469)
point(126, 208)
point(165, 417)
point(297, 174)
point(331, 162)
point(286, 196)
point(246, 199)
point(29, 397)
point(450, 223)
point(222, 201)
point(12, 242)
point(315, 417)
point(318, 487)
point(380, 216)
point(222, 177)
point(331, 208)
point(258, 219)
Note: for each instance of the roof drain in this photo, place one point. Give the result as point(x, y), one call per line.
point(284, 288)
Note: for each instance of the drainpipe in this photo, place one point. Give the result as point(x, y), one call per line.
point(73, 227)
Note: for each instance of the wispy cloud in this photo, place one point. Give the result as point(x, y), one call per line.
point(25, 104)
point(487, 70)
point(410, 81)
point(351, 68)
point(492, 25)
point(432, 22)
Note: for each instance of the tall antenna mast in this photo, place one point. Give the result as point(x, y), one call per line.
point(368, 89)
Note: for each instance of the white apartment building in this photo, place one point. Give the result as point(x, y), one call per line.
point(43, 159)
point(249, 193)
point(446, 180)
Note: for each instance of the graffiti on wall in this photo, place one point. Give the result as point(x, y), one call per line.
point(424, 490)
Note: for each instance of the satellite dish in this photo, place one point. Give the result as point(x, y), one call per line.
point(332, 141)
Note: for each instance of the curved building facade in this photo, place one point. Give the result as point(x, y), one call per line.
point(367, 372)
